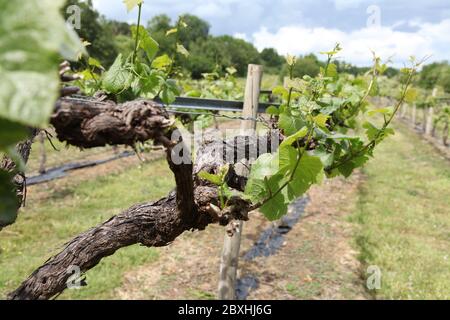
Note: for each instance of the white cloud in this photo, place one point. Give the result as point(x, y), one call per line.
point(300, 27)
point(242, 36)
point(429, 39)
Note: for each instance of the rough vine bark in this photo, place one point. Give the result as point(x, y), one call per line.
point(193, 205)
point(91, 123)
point(150, 224)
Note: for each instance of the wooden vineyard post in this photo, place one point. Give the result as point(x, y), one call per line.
point(231, 245)
point(429, 129)
point(413, 117)
point(445, 133)
point(42, 155)
point(429, 125)
point(404, 109)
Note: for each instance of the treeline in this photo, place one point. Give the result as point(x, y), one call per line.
point(208, 53)
point(435, 74)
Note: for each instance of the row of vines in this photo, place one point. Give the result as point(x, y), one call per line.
point(327, 127)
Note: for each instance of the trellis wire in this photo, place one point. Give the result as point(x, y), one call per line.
point(171, 110)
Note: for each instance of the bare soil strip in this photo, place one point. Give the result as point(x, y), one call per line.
point(316, 261)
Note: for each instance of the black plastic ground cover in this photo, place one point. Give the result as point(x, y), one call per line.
point(269, 243)
point(61, 171)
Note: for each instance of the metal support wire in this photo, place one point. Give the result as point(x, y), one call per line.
point(213, 109)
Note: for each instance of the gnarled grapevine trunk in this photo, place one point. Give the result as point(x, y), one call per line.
point(192, 207)
point(150, 224)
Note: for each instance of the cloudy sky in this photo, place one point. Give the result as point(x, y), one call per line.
point(392, 28)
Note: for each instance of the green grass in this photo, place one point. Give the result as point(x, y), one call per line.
point(269, 81)
point(404, 217)
point(46, 224)
point(305, 291)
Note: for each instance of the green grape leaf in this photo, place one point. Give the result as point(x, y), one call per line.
point(290, 123)
point(136, 86)
point(8, 200)
point(171, 31)
point(229, 193)
point(146, 42)
point(280, 91)
point(326, 157)
point(194, 93)
point(309, 172)
point(131, 4)
point(15, 156)
point(182, 50)
point(169, 92)
point(265, 166)
point(150, 85)
point(295, 83)
point(182, 23)
point(339, 136)
point(287, 157)
point(30, 50)
point(255, 190)
point(347, 168)
point(275, 208)
point(161, 62)
point(330, 104)
point(298, 135)
point(375, 90)
point(321, 120)
point(11, 133)
point(386, 111)
point(117, 78)
point(95, 63)
point(172, 84)
point(167, 96)
point(411, 95)
point(272, 110)
point(291, 60)
point(371, 130)
point(329, 53)
point(332, 71)
point(213, 178)
point(231, 70)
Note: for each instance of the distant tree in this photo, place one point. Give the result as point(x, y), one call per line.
point(206, 55)
point(223, 51)
point(437, 73)
point(201, 63)
point(95, 30)
point(119, 27)
point(272, 61)
point(391, 72)
point(344, 67)
point(158, 27)
point(159, 23)
point(430, 74)
point(307, 65)
point(241, 53)
point(445, 79)
point(271, 58)
point(124, 44)
point(197, 30)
